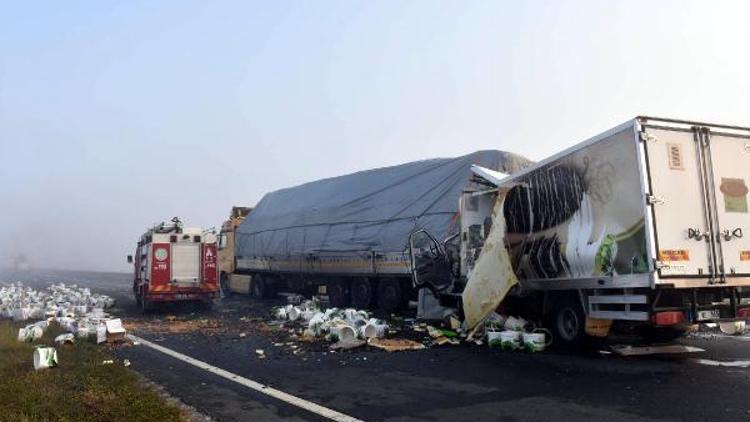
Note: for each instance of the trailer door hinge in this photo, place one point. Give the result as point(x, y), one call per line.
point(654, 200)
point(646, 137)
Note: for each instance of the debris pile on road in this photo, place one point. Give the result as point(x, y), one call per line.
point(345, 328)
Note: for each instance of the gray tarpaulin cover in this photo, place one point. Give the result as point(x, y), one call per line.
point(372, 210)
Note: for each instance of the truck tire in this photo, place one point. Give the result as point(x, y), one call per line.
point(390, 294)
point(137, 297)
point(567, 321)
point(338, 293)
point(224, 285)
point(146, 305)
point(362, 293)
point(263, 287)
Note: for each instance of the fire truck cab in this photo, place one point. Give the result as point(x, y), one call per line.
point(173, 263)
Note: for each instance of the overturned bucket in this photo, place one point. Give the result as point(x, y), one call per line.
point(45, 357)
point(344, 332)
point(374, 328)
point(510, 340)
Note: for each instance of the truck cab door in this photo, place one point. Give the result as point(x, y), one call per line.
point(429, 264)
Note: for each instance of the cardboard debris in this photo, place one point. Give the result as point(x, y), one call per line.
point(445, 340)
point(395, 344)
point(115, 331)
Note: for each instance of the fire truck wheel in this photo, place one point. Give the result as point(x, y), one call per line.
point(224, 284)
point(362, 293)
point(390, 294)
point(338, 293)
point(146, 305)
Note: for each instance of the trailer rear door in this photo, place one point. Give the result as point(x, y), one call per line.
point(730, 163)
point(680, 211)
point(699, 177)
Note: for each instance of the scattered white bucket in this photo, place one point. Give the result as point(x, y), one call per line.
point(65, 338)
point(30, 333)
point(732, 328)
point(493, 339)
point(374, 328)
point(344, 332)
point(281, 313)
point(510, 339)
point(307, 315)
point(101, 333)
point(515, 324)
point(293, 313)
point(536, 341)
point(45, 357)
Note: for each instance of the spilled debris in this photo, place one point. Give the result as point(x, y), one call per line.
point(77, 310)
point(395, 344)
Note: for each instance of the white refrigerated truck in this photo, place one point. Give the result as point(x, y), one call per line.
point(642, 225)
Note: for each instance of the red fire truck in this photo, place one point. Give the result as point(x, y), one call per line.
point(173, 263)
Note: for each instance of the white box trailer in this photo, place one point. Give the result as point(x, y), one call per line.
point(642, 223)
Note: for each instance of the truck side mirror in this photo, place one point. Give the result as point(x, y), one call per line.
point(130, 259)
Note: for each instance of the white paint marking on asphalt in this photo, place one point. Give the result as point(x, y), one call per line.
point(272, 392)
point(733, 363)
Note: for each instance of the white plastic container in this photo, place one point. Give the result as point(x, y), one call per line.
point(65, 338)
point(101, 333)
point(515, 324)
point(534, 342)
point(293, 313)
point(344, 332)
point(510, 339)
point(30, 333)
point(45, 357)
point(373, 328)
point(493, 339)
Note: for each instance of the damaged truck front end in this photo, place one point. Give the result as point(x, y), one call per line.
point(642, 225)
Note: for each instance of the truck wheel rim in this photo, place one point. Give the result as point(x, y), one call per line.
point(568, 324)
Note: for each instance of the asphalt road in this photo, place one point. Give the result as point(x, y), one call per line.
point(451, 383)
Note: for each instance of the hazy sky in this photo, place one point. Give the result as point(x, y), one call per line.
point(116, 115)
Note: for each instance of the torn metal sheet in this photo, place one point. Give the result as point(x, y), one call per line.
point(493, 274)
point(493, 176)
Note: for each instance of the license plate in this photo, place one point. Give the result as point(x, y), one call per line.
point(708, 315)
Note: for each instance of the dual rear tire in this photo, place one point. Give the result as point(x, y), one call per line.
point(363, 293)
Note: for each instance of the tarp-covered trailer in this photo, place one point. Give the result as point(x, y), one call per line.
point(643, 224)
point(350, 233)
